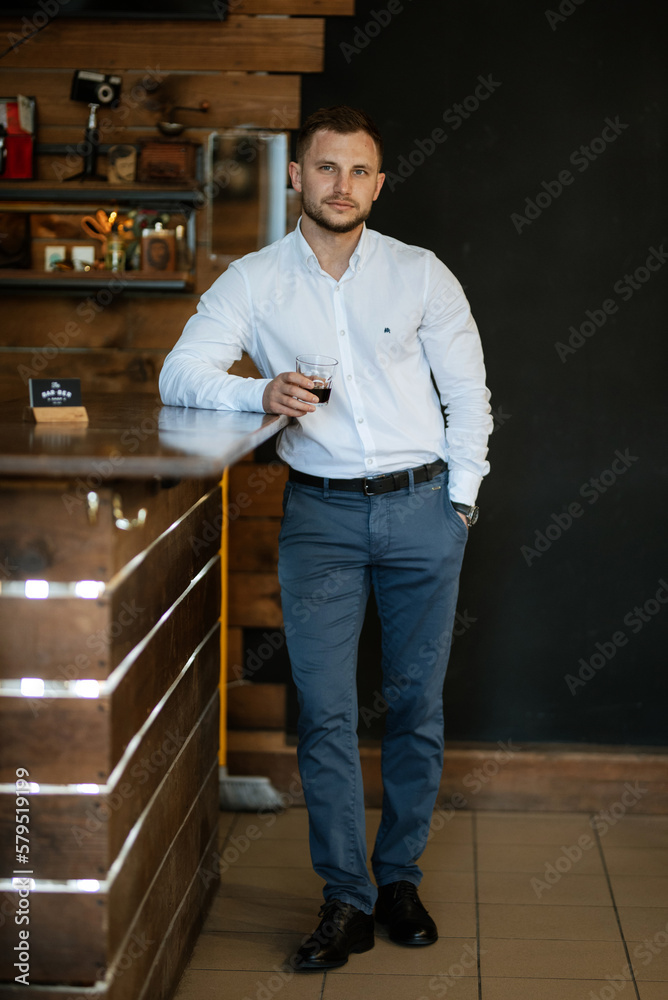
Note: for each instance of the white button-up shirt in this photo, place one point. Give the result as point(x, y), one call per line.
point(395, 318)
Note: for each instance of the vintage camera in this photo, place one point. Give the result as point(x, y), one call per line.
point(95, 88)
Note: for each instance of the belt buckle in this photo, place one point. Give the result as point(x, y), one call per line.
point(373, 479)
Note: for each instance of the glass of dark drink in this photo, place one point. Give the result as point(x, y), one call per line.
point(320, 369)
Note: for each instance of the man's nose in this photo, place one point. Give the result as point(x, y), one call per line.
point(343, 183)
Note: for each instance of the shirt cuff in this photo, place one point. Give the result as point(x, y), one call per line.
point(463, 486)
point(252, 393)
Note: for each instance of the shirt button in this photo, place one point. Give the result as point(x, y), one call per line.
point(369, 461)
point(349, 377)
point(342, 333)
point(360, 420)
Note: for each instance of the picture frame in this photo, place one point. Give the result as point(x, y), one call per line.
point(53, 254)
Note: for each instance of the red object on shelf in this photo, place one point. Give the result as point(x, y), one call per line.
point(17, 162)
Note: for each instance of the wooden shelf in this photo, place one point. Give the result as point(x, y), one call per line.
point(176, 281)
point(43, 197)
point(87, 192)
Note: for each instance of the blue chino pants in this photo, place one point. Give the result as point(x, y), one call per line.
point(333, 547)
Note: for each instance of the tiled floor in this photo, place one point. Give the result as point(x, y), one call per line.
point(530, 906)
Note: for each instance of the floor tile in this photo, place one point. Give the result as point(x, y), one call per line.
point(300, 882)
point(640, 922)
point(451, 825)
point(262, 914)
point(531, 828)
point(518, 887)
point(453, 919)
point(289, 825)
point(264, 827)
point(245, 951)
point(567, 923)
point(638, 831)
point(451, 957)
point(652, 991)
point(535, 959)
point(244, 830)
point(640, 890)
point(447, 887)
point(557, 989)
point(207, 985)
point(293, 823)
point(446, 857)
point(582, 858)
point(225, 821)
point(636, 860)
point(649, 958)
point(400, 987)
point(448, 827)
point(271, 853)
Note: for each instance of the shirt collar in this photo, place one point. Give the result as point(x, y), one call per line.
point(361, 250)
point(311, 261)
point(303, 248)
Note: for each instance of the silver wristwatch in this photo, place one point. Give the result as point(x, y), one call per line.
point(470, 513)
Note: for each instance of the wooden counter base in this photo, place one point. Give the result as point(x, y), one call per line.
point(123, 809)
point(147, 742)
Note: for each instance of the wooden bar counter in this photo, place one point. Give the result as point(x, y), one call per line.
point(110, 590)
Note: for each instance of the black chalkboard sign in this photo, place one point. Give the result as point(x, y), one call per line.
point(55, 392)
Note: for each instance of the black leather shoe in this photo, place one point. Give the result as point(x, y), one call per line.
point(343, 930)
point(408, 922)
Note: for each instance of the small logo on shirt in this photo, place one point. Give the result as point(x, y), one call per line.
point(386, 330)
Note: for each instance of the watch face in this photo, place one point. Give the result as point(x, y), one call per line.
point(473, 515)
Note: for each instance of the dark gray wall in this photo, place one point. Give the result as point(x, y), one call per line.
point(531, 618)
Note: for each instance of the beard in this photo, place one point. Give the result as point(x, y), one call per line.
point(316, 213)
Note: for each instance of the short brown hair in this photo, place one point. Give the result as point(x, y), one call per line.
point(338, 118)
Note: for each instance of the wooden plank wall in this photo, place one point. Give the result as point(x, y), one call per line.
point(254, 709)
point(248, 67)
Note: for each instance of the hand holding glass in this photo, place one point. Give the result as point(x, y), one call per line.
point(320, 370)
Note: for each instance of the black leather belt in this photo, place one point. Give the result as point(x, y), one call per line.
point(375, 485)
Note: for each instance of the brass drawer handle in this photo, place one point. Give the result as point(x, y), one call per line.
point(122, 522)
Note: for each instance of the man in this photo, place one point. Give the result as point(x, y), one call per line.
point(370, 501)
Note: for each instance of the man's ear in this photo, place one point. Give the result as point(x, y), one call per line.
point(379, 183)
point(295, 172)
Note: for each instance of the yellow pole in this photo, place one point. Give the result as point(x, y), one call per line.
point(222, 751)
